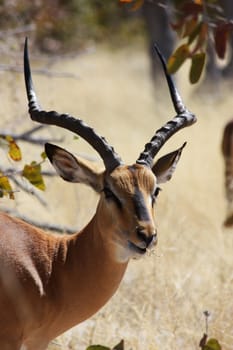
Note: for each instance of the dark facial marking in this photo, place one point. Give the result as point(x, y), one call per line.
point(138, 200)
point(140, 206)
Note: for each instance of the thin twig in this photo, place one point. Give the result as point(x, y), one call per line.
point(207, 315)
point(14, 172)
point(33, 130)
point(42, 225)
point(26, 136)
point(39, 71)
point(28, 189)
point(11, 173)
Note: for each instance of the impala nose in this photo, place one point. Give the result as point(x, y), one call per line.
point(147, 239)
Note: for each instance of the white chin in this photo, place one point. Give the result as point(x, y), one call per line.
point(123, 254)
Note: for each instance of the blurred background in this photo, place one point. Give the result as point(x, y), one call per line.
point(92, 59)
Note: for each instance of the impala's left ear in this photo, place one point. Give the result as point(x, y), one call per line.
point(165, 166)
point(74, 169)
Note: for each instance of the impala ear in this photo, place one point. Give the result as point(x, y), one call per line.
point(74, 169)
point(166, 165)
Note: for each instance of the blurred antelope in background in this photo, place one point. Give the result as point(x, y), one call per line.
point(227, 150)
point(50, 283)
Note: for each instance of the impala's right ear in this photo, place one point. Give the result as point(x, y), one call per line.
point(74, 169)
point(166, 165)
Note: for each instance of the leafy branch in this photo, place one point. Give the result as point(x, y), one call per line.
point(43, 225)
point(204, 344)
point(27, 136)
point(198, 24)
point(31, 172)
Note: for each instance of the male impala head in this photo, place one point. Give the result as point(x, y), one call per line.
point(127, 193)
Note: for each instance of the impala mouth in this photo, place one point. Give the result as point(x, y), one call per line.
point(136, 248)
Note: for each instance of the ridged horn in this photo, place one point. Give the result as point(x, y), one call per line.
point(181, 120)
point(109, 156)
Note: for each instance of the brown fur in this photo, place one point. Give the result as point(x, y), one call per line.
point(49, 283)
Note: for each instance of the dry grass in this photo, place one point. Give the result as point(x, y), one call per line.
point(161, 300)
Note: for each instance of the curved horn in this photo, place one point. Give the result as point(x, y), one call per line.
point(181, 120)
point(66, 121)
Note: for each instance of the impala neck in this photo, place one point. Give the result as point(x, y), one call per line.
point(88, 275)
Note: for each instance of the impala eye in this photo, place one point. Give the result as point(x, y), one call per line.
point(155, 194)
point(157, 190)
point(111, 196)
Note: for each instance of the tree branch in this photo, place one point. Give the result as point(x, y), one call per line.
point(28, 189)
point(26, 136)
point(42, 225)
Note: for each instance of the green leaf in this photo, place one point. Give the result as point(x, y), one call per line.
point(212, 344)
point(119, 346)
point(5, 187)
point(177, 58)
point(97, 347)
point(13, 149)
point(32, 173)
point(43, 155)
point(198, 62)
point(194, 33)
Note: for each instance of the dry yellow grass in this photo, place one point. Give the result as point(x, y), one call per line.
point(161, 300)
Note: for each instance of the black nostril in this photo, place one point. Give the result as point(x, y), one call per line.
point(145, 238)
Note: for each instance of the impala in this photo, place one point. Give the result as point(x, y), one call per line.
point(50, 283)
point(227, 150)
